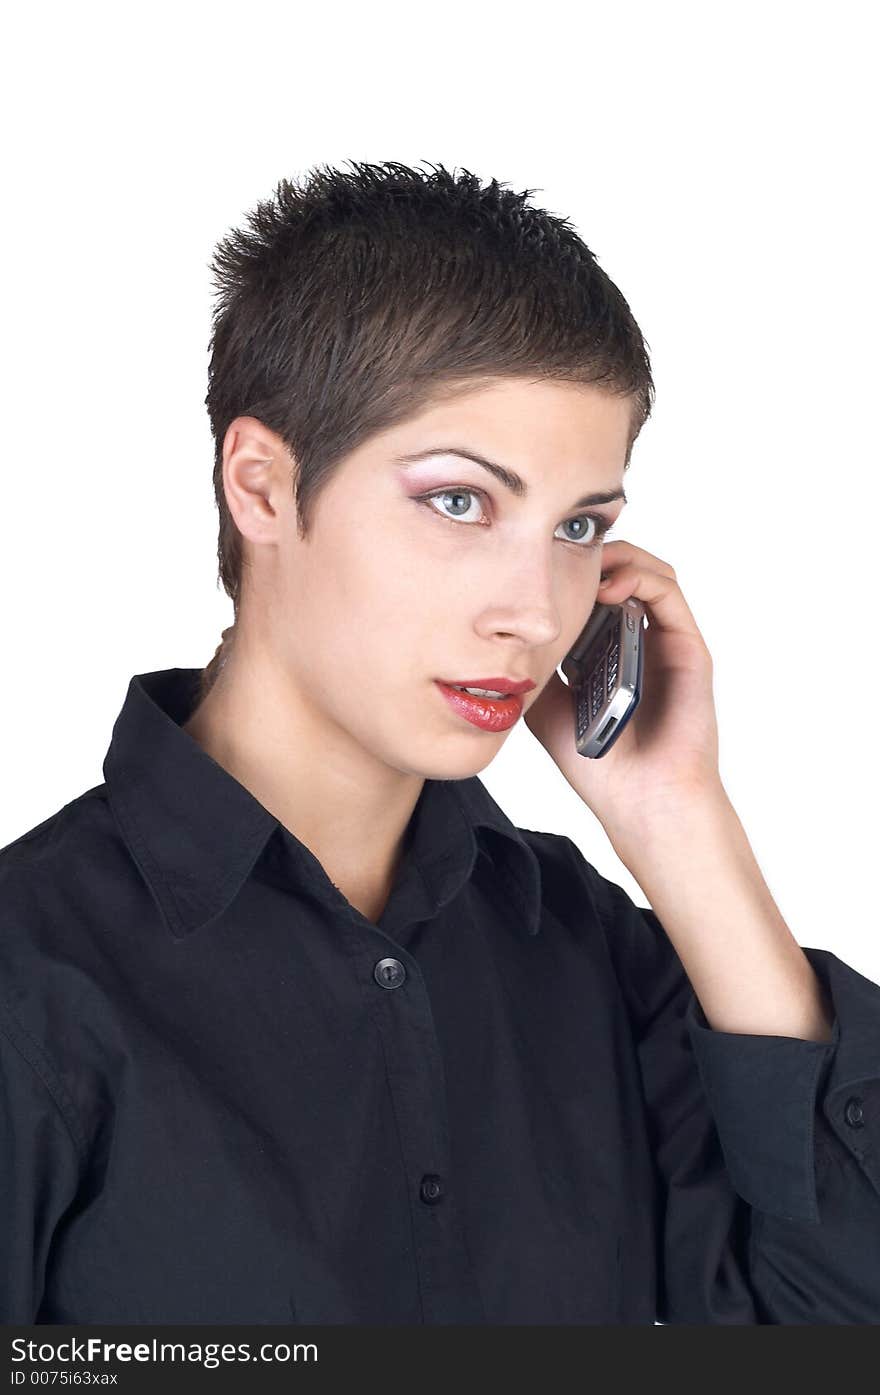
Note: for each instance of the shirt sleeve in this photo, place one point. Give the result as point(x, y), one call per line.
point(39, 1170)
point(766, 1148)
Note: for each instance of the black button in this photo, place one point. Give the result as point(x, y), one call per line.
point(853, 1113)
point(432, 1189)
point(390, 973)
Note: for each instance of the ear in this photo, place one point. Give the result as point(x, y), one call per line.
point(257, 479)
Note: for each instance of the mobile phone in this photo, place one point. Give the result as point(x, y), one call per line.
point(604, 668)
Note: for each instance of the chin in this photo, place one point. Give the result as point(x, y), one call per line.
point(457, 762)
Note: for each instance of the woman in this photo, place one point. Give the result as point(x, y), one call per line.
point(297, 1025)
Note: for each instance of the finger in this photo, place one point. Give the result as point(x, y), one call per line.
point(615, 553)
point(661, 595)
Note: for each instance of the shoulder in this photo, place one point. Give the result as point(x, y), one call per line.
point(594, 909)
point(55, 878)
point(571, 887)
point(563, 862)
point(570, 883)
point(53, 928)
point(72, 818)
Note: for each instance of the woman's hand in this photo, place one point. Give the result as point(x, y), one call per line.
point(667, 756)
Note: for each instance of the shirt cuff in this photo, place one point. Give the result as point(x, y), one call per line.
point(764, 1092)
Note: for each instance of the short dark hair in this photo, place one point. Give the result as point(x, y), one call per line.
point(353, 301)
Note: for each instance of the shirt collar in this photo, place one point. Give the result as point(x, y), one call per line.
point(196, 833)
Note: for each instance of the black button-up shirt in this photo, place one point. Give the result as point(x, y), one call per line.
point(228, 1097)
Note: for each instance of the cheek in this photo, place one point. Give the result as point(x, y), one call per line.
point(371, 613)
point(384, 603)
point(397, 577)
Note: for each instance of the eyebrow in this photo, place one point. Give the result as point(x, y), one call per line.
point(515, 483)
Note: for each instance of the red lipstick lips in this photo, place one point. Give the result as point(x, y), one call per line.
point(490, 714)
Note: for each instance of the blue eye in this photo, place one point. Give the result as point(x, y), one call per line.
point(601, 524)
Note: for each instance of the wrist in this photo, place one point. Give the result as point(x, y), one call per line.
point(682, 818)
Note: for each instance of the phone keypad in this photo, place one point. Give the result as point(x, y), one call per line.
point(601, 686)
point(613, 662)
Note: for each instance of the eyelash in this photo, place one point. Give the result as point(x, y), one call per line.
point(603, 524)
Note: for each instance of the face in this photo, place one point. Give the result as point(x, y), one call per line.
point(393, 590)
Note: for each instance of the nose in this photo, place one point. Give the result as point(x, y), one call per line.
point(524, 601)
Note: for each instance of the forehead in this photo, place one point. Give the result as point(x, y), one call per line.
point(525, 422)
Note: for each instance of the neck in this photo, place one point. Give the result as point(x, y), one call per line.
point(350, 809)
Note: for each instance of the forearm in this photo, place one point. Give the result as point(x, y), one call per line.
point(702, 881)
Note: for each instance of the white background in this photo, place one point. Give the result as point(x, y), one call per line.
point(720, 162)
